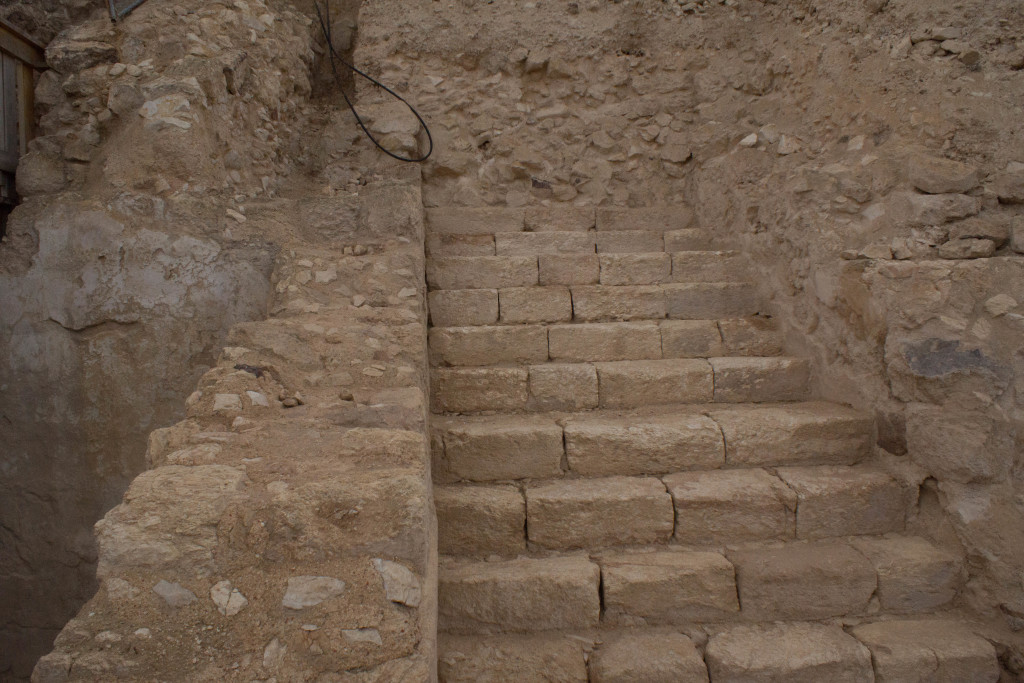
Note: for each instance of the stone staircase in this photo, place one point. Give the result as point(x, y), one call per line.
point(633, 483)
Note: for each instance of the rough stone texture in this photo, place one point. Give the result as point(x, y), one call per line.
point(913, 574)
point(484, 345)
point(605, 341)
point(593, 304)
point(710, 300)
point(668, 588)
point(535, 305)
point(480, 520)
point(802, 653)
point(940, 651)
point(739, 380)
point(495, 449)
point(871, 501)
point(635, 269)
point(563, 386)
point(455, 308)
point(648, 658)
point(690, 339)
point(629, 384)
point(569, 269)
point(468, 390)
point(481, 272)
point(498, 659)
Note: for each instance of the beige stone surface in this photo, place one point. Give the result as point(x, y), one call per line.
point(499, 659)
point(535, 304)
point(629, 384)
point(750, 337)
point(629, 241)
point(647, 658)
point(635, 269)
point(731, 506)
point(486, 345)
point(929, 650)
point(458, 307)
point(480, 520)
point(569, 269)
point(668, 587)
point(812, 433)
point(642, 444)
point(559, 218)
point(563, 386)
point(755, 379)
point(531, 243)
point(711, 300)
point(690, 339)
point(688, 239)
point(481, 272)
point(593, 513)
point(913, 574)
point(654, 219)
point(845, 501)
point(496, 448)
point(445, 244)
point(467, 390)
point(519, 595)
point(803, 581)
point(708, 266)
point(589, 342)
point(473, 221)
point(593, 304)
point(797, 653)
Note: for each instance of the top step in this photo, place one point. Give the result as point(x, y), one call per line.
point(491, 220)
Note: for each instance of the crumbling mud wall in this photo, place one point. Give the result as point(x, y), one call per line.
point(867, 155)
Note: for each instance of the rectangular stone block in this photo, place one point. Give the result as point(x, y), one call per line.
point(560, 218)
point(629, 242)
point(535, 243)
point(604, 445)
point(639, 657)
point(519, 595)
point(459, 307)
point(690, 339)
point(708, 266)
point(668, 587)
point(481, 272)
point(467, 659)
point(794, 653)
point(760, 380)
point(933, 650)
point(730, 506)
point(535, 304)
point(750, 337)
point(474, 221)
point(594, 513)
point(635, 269)
point(469, 390)
point(563, 386)
point(630, 384)
point(605, 341)
point(913, 574)
point(656, 219)
point(591, 304)
point(488, 345)
point(711, 300)
point(502, 448)
point(569, 269)
point(794, 434)
point(689, 239)
point(803, 581)
point(459, 245)
point(480, 520)
point(871, 501)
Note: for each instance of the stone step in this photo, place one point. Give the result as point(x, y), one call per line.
point(697, 508)
point(676, 585)
point(594, 342)
point(933, 649)
point(617, 384)
point(648, 442)
point(495, 220)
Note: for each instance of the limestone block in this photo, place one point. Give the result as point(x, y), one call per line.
point(535, 304)
point(467, 390)
point(690, 239)
point(731, 506)
point(481, 272)
point(592, 513)
point(711, 300)
point(655, 219)
point(605, 341)
point(913, 574)
point(792, 434)
point(914, 209)
point(458, 307)
point(569, 269)
point(600, 446)
point(690, 339)
point(629, 242)
point(502, 447)
point(1009, 187)
point(488, 345)
point(760, 380)
point(668, 587)
point(795, 653)
point(635, 269)
point(618, 303)
point(535, 243)
point(630, 384)
point(750, 337)
point(871, 502)
point(707, 266)
point(647, 658)
point(936, 175)
point(967, 248)
point(803, 581)
point(474, 221)
point(519, 595)
point(443, 244)
point(559, 219)
point(497, 659)
point(935, 651)
point(480, 520)
point(563, 386)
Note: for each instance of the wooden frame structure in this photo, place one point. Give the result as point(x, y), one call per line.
point(20, 58)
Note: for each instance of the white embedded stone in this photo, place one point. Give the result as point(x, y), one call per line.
point(258, 399)
point(228, 599)
point(1000, 304)
point(363, 635)
point(226, 402)
point(309, 591)
point(400, 584)
point(174, 594)
point(749, 141)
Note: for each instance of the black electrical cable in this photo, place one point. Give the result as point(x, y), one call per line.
point(325, 28)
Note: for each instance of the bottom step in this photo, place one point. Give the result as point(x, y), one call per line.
point(893, 651)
